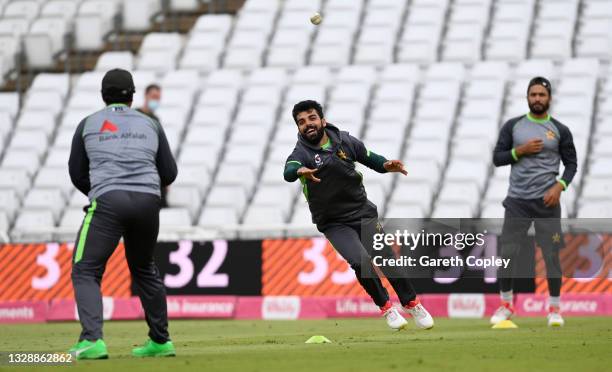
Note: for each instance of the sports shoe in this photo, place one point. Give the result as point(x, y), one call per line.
point(504, 312)
point(89, 350)
point(394, 319)
point(421, 316)
point(554, 317)
point(153, 349)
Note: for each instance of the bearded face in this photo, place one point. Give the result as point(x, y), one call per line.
point(311, 126)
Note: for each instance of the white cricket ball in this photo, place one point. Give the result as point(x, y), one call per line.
point(316, 19)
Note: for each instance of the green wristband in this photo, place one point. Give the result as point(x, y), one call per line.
point(514, 155)
point(564, 184)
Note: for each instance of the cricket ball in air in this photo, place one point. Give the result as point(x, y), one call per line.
point(316, 19)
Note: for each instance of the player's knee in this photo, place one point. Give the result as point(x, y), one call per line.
point(80, 270)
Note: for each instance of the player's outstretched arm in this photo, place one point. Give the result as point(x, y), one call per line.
point(374, 161)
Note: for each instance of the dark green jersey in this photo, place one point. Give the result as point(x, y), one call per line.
point(340, 196)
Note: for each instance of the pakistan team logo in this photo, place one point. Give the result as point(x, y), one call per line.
point(317, 159)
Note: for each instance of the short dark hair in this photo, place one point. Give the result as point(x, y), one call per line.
point(306, 106)
point(113, 95)
point(150, 87)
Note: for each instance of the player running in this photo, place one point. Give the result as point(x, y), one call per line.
point(324, 160)
point(120, 158)
point(534, 144)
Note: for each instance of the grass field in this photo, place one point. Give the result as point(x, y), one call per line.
point(584, 344)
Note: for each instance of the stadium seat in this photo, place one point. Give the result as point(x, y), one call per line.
point(453, 210)
point(33, 140)
point(94, 21)
point(185, 196)
point(173, 222)
point(110, 60)
point(261, 222)
point(249, 155)
point(4, 227)
point(70, 224)
point(56, 82)
point(9, 202)
point(54, 177)
point(28, 160)
point(45, 198)
point(44, 41)
point(9, 103)
point(57, 157)
point(201, 59)
point(433, 150)
point(60, 8)
point(26, 9)
point(400, 73)
point(413, 192)
point(42, 121)
point(215, 217)
point(78, 200)
point(227, 196)
point(301, 222)
point(273, 195)
point(45, 100)
point(493, 210)
point(138, 14)
point(287, 56)
point(472, 170)
point(33, 226)
point(238, 175)
point(200, 155)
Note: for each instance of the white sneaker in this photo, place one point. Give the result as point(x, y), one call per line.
point(421, 316)
point(394, 319)
point(554, 318)
point(504, 312)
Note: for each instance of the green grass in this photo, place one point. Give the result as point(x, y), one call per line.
point(584, 344)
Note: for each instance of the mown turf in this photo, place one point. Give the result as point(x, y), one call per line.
point(584, 344)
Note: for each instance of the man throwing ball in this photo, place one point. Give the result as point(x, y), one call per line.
point(324, 161)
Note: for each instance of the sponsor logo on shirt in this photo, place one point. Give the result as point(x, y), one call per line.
point(108, 126)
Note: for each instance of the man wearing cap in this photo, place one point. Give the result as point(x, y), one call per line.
point(534, 145)
point(120, 159)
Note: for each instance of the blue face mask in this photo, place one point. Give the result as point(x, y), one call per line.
point(153, 105)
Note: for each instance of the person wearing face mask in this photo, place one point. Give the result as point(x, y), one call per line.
point(151, 102)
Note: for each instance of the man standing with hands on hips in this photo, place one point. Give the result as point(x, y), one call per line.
point(534, 145)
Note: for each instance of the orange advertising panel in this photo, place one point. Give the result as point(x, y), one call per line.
point(42, 272)
point(306, 267)
point(587, 265)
